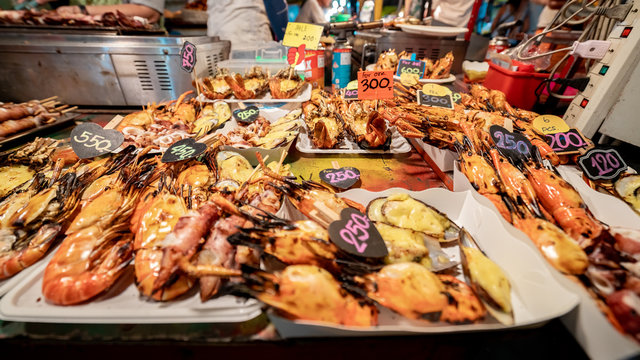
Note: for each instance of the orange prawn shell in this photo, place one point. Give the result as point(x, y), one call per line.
point(307, 292)
point(153, 220)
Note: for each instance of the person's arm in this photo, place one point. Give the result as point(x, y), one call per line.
point(128, 9)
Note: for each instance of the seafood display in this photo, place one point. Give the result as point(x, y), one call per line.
point(438, 69)
point(253, 84)
point(263, 134)
point(214, 228)
point(328, 116)
point(159, 126)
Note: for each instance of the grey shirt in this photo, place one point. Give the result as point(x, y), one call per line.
point(157, 5)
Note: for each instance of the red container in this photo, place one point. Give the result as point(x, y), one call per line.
point(518, 86)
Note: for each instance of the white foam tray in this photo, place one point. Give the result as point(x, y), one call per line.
point(121, 305)
point(399, 145)
point(536, 294)
point(598, 338)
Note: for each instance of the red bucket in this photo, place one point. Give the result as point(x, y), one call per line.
point(518, 86)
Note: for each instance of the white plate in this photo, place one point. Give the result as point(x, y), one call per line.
point(450, 78)
point(433, 30)
point(7, 284)
point(26, 303)
point(537, 296)
point(598, 338)
point(303, 95)
point(443, 158)
point(399, 145)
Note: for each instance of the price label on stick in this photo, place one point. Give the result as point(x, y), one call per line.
point(600, 164)
point(375, 85)
point(183, 150)
point(342, 178)
point(445, 101)
point(355, 234)
point(550, 124)
point(406, 66)
point(90, 140)
point(246, 115)
point(567, 142)
point(511, 145)
point(297, 34)
point(188, 56)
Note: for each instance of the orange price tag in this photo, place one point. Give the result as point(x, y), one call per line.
point(375, 85)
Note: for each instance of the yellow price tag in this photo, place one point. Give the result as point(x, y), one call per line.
point(352, 85)
point(550, 124)
point(408, 79)
point(435, 89)
point(297, 34)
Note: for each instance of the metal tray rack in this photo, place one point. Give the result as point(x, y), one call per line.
point(100, 70)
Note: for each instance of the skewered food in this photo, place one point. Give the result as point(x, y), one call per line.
point(285, 84)
point(263, 134)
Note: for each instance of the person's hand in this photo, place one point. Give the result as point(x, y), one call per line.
point(68, 10)
point(556, 4)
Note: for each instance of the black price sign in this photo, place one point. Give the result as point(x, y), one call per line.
point(90, 140)
point(246, 115)
point(342, 178)
point(441, 101)
point(351, 94)
point(511, 145)
point(406, 66)
point(188, 56)
point(600, 164)
point(355, 234)
point(567, 142)
point(183, 150)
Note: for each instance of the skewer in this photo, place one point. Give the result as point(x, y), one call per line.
point(69, 109)
point(244, 184)
point(282, 156)
point(60, 108)
point(48, 99)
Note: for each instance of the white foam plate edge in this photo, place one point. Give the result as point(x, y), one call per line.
point(532, 280)
point(598, 338)
point(450, 78)
point(433, 30)
point(606, 208)
point(399, 145)
point(443, 158)
point(25, 302)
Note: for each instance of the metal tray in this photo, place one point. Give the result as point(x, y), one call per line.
point(29, 134)
point(83, 29)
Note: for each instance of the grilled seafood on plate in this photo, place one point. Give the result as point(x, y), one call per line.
point(487, 280)
point(263, 134)
point(253, 84)
point(285, 84)
point(216, 87)
point(325, 128)
point(98, 247)
point(307, 292)
point(628, 188)
point(412, 231)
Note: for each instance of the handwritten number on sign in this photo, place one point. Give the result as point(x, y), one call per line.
point(356, 224)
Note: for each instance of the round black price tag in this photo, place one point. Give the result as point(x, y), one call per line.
point(342, 178)
point(511, 145)
point(246, 115)
point(357, 235)
point(90, 140)
point(183, 150)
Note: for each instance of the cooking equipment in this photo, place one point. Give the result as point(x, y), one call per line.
point(88, 68)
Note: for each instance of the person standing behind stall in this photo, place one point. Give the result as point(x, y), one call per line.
point(243, 22)
point(312, 12)
point(149, 9)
